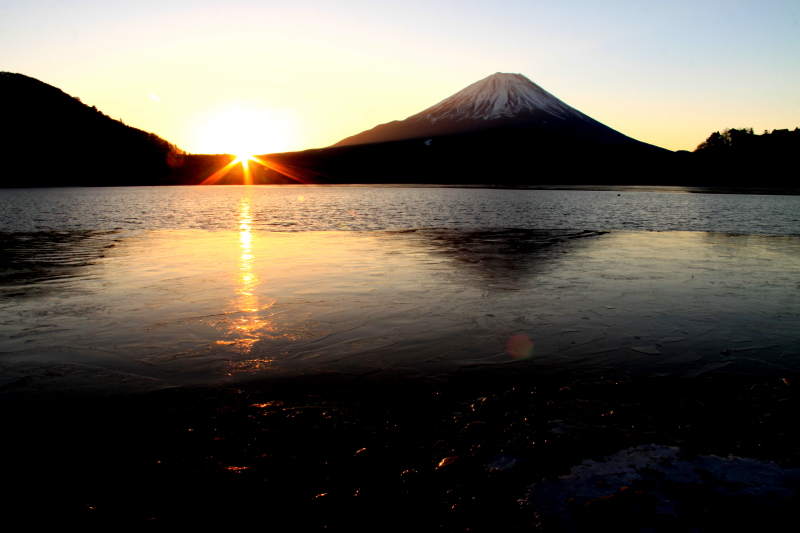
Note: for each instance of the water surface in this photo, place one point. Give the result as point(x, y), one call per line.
point(308, 208)
point(142, 288)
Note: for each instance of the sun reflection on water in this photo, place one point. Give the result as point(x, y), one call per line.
point(250, 324)
point(247, 279)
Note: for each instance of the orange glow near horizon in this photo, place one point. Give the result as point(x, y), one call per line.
point(296, 174)
point(248, 176)
point(219, 174)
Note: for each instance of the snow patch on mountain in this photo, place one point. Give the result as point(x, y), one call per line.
point(498, 96)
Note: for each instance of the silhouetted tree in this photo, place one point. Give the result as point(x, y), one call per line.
point(741, 152)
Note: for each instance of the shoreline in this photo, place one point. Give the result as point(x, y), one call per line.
point(681, 189)
point(340, 454)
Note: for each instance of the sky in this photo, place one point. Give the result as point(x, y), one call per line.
point(267, 76)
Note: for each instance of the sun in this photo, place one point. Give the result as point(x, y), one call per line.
point(243, 130)
point(244, 159)
point(298, 175)
point(249, 133)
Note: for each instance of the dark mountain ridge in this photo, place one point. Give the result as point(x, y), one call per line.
point(53, 139)
point(503, 131)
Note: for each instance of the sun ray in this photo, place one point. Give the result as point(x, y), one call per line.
point(248, 176)
point(219, 174)
point(299, 175)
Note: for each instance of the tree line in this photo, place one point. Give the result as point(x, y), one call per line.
point(744, 142)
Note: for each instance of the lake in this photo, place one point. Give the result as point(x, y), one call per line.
point(490, 359)
point(117, 290)
point(310, 208)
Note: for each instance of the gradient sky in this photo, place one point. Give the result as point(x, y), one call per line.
point(307, 73)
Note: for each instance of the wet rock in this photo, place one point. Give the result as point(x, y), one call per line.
point(447, 461)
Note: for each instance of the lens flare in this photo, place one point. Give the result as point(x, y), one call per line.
point(520, 346)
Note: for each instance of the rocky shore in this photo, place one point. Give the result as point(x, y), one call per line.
point(479, 451)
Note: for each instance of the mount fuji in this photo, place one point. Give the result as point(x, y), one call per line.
point(501, 130)
point(497, 101)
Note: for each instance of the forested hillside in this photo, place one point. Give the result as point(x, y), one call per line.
point(743, 157)
point(53, 139)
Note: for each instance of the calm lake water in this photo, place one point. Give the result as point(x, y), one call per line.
point(287, 208)
point(125, 289)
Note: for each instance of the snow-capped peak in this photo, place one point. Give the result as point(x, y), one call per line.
point(497, 96)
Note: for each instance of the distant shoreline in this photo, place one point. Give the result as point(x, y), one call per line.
point(669, 188)
point(781, 191)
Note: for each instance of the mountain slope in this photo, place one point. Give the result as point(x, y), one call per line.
point(497, 101)
point(502, 130)
point(54, 139)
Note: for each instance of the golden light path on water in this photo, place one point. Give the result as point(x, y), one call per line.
point(250, 324)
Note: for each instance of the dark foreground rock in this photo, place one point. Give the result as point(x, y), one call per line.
point(479, 452)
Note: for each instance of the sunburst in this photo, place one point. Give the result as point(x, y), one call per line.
point(294, 173)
